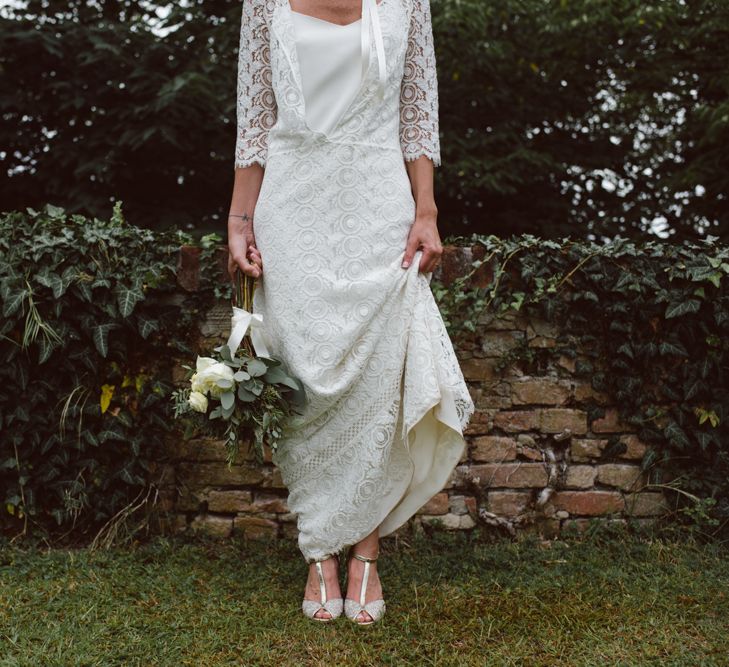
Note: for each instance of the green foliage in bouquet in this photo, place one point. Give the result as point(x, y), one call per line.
point(240, 394)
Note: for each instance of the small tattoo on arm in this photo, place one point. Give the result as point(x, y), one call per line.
point(245, 216)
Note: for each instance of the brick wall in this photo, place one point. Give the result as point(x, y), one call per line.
point(533, 461)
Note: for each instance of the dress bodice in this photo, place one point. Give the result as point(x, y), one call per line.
point(285, 60)
point(330, 63)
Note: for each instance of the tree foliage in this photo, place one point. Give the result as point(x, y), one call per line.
point(558, 116)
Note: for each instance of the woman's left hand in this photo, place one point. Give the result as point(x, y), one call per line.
point(424, 235)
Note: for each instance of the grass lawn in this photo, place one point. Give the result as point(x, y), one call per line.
point(607, 598)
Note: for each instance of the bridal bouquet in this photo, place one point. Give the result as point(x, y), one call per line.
point(241, 391)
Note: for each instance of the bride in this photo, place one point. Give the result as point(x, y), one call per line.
point(333, 211)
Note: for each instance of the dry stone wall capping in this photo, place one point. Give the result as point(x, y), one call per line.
point(533, 461)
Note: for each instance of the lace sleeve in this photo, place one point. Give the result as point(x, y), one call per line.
point(419, 89)
point(256, 104)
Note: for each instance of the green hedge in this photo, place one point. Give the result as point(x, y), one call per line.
point(93, 321)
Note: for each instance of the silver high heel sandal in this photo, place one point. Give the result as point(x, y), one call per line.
point(333, 606)
point(375, 608)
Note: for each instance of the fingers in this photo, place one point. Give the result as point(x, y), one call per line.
point(255, 255)
point(430, 255)
point(430, 259)
point(238, 260)
point(411, 246)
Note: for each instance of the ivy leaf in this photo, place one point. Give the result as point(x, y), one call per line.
point(682, 308)
point(100, 335)
point(146, 326)
point(13, 301)
point(127, 298)
point(677, 436)
point(667, 347)
point(46, 348)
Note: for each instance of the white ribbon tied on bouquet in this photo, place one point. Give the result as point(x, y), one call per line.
point(240, 322)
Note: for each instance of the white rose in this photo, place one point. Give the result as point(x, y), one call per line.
point(201, 364)
point(198, 401)
point(205, 380)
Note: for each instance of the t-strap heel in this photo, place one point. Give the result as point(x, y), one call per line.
point(333, 606)
point(375, 608)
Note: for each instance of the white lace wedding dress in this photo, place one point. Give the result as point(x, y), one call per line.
point(387, 402)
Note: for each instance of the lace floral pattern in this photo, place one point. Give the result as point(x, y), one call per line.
point(364, 335)
point(419, 89)
point(256, 103)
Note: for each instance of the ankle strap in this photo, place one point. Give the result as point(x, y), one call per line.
point(364, 559)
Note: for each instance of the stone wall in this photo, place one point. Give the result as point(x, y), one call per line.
point(534, 460)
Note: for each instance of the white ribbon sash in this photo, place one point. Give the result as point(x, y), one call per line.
point(240, 322)
point(370, 15)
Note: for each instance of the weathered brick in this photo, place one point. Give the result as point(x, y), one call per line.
point(479, 369)
point(479, 423)
point(438, 504)
point(537, 327)
point(545, 391)
point(216, 526)
point(255, 526)
point(266, 502)
point(508, 320)
point(584, 392)
point(622, 475)
point(517, 420)
point(450, 521)
point(568, 363)
point(491, 400)
point(204, 449)
point(493, 448)
point(610, 423)
point(556, 420)
point(636, 447)
point(217, 474)
point(188, 267)
point(588, 502)
point(581, 524)
point(646, 503)
point(497, 343)
point(457, 504)
point(508, 503)
point(528, 447)
point(580, 477)
point(272, 478)
point(542, 342)
point(584, 449)
point(231, 501)
point(509, 475)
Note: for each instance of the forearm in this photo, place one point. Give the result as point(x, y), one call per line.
point(421, 173)
point(246, 186)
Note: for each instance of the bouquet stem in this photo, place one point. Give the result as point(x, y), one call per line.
point(243, 298)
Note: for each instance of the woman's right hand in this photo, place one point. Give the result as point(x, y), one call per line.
point(242, 250)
